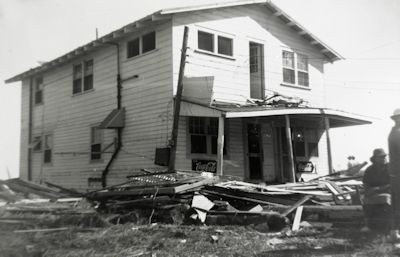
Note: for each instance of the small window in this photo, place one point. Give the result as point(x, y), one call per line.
point(149, 42)
point(205, 41)
point(204, 135)
point(288, 67)
point(133, 48)
point(37, 144)
point(225, 46)
point(39, 90)
point(302, 70)
point(47, 150)
point(96, 141)
point(88, 73)
point(82, 77)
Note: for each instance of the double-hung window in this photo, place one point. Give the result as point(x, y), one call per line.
point(47, 148)
point(82, 77)
point(295, 69)
point(203, 133)
point(39, 90)
point(214, 43)
point(95, 143)
point(141, 45)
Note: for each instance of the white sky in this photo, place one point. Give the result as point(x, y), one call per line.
point(366, 33)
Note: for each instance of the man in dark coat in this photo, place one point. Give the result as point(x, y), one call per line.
point(394, 171)
point(377, 198)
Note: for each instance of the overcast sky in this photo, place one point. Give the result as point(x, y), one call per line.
point(366, 33)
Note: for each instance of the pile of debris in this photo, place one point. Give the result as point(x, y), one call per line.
point(182, 197)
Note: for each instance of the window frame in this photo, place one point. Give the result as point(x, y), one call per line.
point(48, 148)
point(216, 36)
point(296, 70)
point(141, 49)
point(37, 144)
point(83, 75)
point(206, 131)
point(94, 142)
point(38, 88)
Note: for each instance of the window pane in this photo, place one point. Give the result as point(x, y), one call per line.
point(313, 150)
point(77, 71)
point(88, 69)
point(95, 152)
point(213, 126)
point(37, 143)
point(198, 144)
point(225, 46)
point(303, 78)
point(149, 42)
point(205, 41)
point(38, 97)
point(288, 76)
point(133, 48)
point(77, 86)
point(48, 141)
point(302, 63)
point(47, 156)
point(253, 59)
point(96, 135)
point(288, 59)
point(88, 82)
point(196, 125)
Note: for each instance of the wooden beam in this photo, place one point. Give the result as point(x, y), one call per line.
point(220, 140)
point(297, 218)
point(314, 42)
point(328, 143)
point(290, 24)
point(129, 28)
point(325, 50)
point(278, 13)
point(160, 17)
point(297, 204)
point(290, 149)
point(302, 32)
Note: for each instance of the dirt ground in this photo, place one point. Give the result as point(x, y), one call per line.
point(194, 240)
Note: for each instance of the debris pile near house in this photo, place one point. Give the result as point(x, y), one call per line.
point(182, 198)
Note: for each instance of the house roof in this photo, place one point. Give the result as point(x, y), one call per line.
point(166, 14)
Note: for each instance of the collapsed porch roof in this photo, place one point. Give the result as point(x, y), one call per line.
point(337, 118)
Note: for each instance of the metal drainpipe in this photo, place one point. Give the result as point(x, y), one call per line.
point(119, 130)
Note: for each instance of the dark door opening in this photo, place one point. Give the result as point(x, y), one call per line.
point(255, 151)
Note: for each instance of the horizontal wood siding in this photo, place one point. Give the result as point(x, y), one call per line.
point(69, 118)
point(244, 24)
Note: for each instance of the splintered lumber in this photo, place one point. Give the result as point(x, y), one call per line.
point(297, 218)
point(245, 199)
point(40, 230)
point(297, 204)
point(68, 191)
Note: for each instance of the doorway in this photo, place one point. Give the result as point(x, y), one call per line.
point(256, 64)
point(255, 151)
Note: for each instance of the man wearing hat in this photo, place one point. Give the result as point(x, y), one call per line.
point(377, 199)
point(394, 171)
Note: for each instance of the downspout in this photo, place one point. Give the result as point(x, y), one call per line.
point(30, 111)
point(119, 130)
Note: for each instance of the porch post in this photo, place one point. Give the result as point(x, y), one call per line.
point(290, 149)
point(328, 143)
point(220, 150)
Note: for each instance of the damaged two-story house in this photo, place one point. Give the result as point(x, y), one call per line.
point(252, 103)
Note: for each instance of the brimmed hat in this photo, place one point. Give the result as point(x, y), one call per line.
point(378, 152)
point(396, 114)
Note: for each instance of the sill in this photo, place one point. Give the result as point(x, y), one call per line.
point(83, 93)
point(215, 54)
point(295, 86)
point(140, 55)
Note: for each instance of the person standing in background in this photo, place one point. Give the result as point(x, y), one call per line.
point(394, 171)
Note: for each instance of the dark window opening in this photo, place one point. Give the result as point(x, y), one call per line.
point(133, 48)
point(37, 144)
point(205, 41)
point(198, 144)
point(225, 46)
point(39, 90)
point(48, 145)
point(149, 42)
point(96, 141)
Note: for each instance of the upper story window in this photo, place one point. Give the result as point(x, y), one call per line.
point(82, 77)
point(37, 144)
point(95, 143)
point(39, 90)
point(204, 135)
point(214, 43)
point(47, 148)
point(295, 68)
point(141, 45)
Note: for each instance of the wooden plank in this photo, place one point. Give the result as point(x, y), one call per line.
point(290, 149)
point(186, 187)
point(297, 218)
point(328, 143)
point(220, 144)
point(297, 204)
point(247, 199)
point(41, 230)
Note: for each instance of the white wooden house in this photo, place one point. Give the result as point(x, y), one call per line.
point(253, 82)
